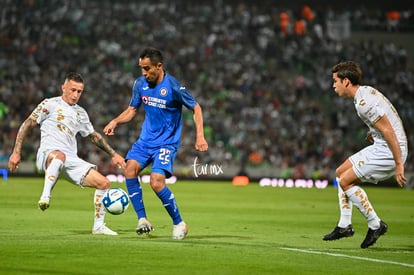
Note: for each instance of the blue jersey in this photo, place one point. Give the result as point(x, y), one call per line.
point(163, 110)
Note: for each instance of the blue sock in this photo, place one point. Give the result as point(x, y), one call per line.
point(170, 205)
point(135, 195)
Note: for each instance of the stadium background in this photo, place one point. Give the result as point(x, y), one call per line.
point(269, 107)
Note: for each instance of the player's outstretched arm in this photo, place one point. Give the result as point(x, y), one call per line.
point(124, 117)
point(201, 143)
point(24, 129)
point(100, 142)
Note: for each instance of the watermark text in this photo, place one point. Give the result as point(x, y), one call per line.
point(206, 169)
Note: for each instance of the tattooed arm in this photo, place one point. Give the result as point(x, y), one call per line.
point(24, 129)
point(100, 142)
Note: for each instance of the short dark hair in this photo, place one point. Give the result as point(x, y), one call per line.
point(153, 54)
point(74, 76)
point(350, 70)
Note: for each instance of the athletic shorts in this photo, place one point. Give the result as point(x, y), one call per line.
point(161, 158)
point(375, 163)
point(74, 169)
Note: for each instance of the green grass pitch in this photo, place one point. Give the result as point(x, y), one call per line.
point(232, 230)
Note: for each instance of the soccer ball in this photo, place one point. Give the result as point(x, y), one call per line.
point(115, 201)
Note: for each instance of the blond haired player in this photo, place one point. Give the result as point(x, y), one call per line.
point(60, 120)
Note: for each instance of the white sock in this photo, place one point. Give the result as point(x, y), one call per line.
point(51, 176)
point(99, 209)
point(358, 197)
point(345, 206)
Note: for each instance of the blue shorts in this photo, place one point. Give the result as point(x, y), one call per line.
point(161, 158)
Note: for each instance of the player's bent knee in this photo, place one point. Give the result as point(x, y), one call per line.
point(130, 174)
point(96, 180)
point(103, 185)
point(157, 182)
point(338, 172)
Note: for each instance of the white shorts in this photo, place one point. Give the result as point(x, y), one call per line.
point(375, 163)
point(74, 169)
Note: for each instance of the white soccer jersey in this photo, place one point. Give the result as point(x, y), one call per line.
point(59, 124)
point(371, 105)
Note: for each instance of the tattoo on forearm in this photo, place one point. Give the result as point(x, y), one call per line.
point(100, 142)
point(26, 126)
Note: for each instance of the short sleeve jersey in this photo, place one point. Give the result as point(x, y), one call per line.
point(163, 110)
point(59, 123)
point(371, 105)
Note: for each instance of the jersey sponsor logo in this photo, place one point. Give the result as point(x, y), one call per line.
point(154, 102)
point(65, 129)
point(60, 115)
point(145, 99)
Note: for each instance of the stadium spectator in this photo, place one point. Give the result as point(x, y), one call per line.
point(284, 23)
point(393, 19)
point(299, 28)
point(308, 14)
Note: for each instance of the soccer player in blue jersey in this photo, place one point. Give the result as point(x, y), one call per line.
point(162, 97)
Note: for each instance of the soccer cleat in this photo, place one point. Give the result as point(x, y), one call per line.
point(339, 232)
point(180, 231)
point(144, 226)
point(104, 230)
point(44, 203)
point(373, 235)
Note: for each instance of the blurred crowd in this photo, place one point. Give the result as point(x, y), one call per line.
point(261, 73)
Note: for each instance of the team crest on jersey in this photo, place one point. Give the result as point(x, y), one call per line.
point(163, 91)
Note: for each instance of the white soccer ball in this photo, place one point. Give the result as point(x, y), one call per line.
point(115, 201)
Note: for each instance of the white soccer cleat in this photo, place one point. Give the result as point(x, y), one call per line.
point(180, 231)
point(104, 230)
point(144, 226)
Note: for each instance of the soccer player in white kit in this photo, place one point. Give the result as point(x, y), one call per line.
point(60, 120)
point(377, 162)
